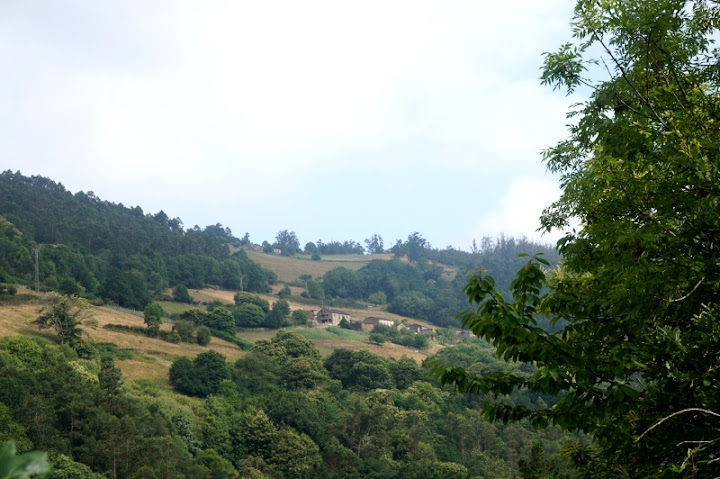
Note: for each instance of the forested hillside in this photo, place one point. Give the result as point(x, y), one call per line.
point(415, 284)
point(100, 249)
point(281, 411)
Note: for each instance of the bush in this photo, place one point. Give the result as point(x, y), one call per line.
point(203, 335)
point(181, 295)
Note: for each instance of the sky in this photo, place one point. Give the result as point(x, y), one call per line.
point(333, 119)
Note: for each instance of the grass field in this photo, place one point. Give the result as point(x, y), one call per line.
point(149, 359)
point(290, 268)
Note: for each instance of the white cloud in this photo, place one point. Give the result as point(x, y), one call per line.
point(518, 211)
point(214, 108)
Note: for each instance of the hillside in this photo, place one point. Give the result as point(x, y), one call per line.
point(150, 358)
point(289, 268)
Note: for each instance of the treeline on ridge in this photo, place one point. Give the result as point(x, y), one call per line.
point(101, 249)
point(418, 288)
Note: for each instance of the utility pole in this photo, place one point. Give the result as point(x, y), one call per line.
point(37, 269)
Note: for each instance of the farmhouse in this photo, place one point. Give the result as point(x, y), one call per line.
point(420, 329)
point(372, 321)
point(330, 317)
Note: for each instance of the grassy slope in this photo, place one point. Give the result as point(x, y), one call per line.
point(152, 357)
point(290, 268)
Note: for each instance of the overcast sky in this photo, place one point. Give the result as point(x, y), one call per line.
point(334, 119)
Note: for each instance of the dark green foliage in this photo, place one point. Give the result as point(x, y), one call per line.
point(126, 288)
point(360, 370)
point(185, 331)
point(287, 344)
point(248, 315)
point(221, 319)
point(215, 303)
point(278, 316)
point(281, 415)
point(182, 376)
point(404, 337)
point(335, 247)
point(98, 248)
point(377, 338)
point(377, 298)
point(285, 292)
point(315, 289)
point(635, 364)
point(299, 317)
point(7, 290)
point(203, 335)
point(195, 315)
point(419, 289)
point(201, 376)
point(405, 371)
point(181, 295)
point(244, 298)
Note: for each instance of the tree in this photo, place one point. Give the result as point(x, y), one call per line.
point(65, 315)
point(635, 365)
point(377, 339)
point(201, 376)
point(181, 295)
point(278, 315)
point(377, 298)
point(248, 315)
point(374, 244)
point(310, 248)
point(221, 319)
point(415, 246)
point(299, 317)
point(242, 298)
point(153, 315)
point(287, 242)
point(202, 335)
point(185, 330)
point(315, 289)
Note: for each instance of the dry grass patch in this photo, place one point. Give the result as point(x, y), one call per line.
point(152, 346)
point(387, 350)
point(254, 335)
point(153, 356)
point(15, 319)
point(155, 371)
point(290, 268)
point(209, 295)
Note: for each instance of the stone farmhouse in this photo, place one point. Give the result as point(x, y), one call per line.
point(330, 317)
point(372, 321)
point(420, 329)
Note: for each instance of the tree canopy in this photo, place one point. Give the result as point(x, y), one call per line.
point(636, 364)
